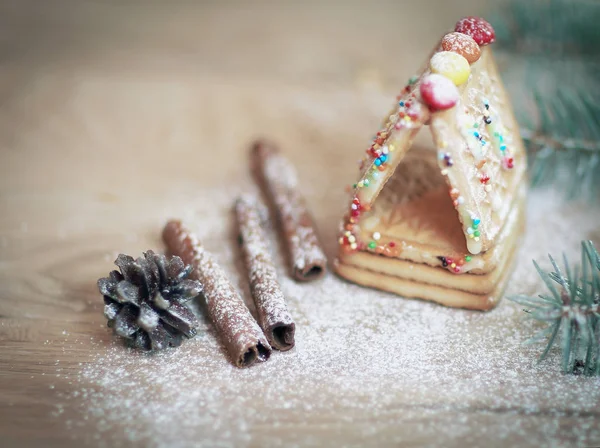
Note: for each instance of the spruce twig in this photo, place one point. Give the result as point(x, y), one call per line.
point(550, 58)
point(572, 309)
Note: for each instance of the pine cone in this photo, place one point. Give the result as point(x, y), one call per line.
point(145, 301)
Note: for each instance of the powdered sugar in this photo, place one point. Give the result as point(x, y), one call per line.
point(279, 169)
point(368, 368)
point(438, 92)
point(242, 336)
point(279, 177)
point(273, 315)
point(462, 44)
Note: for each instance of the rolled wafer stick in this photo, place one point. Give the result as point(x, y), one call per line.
point(273, 315)
point(239, 332)
point(277, 177)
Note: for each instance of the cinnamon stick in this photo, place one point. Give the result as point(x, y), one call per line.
point(273, 315)
point(237, 329)
point(277, 177)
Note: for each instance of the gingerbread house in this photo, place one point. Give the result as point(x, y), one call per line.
point(441, 221)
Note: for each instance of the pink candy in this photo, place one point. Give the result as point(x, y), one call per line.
point(438, 92)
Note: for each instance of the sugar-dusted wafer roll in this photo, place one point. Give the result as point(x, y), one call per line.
point(273, 314)
point(237, 329)
point(277, 177)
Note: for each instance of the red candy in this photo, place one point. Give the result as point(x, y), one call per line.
point(476, 27)
point(439, 92)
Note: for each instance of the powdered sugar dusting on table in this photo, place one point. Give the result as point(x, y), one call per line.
point(466, 375)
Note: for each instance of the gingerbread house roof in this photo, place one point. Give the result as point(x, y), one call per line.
point(461, 97)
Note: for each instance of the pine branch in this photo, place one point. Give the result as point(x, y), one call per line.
point(571, 310)
point(550, 58)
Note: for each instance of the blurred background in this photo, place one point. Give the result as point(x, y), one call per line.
point(117, 115)
point(289, 41)
point(112, 108)
point(131, 61)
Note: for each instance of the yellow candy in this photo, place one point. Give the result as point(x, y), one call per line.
point(451, 65)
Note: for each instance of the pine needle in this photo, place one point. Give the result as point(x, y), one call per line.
point(573, 310)
point(549, 52)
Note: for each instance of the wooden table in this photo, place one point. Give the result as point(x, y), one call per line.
point(115, 116)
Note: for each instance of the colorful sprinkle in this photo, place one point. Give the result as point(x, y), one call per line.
point(448, 160)
point(508, 162)
point(454, 264)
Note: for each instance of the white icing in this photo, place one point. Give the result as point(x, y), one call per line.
point(474, 246)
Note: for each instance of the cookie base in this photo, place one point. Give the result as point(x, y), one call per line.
point(455, 298)
point(417, 280)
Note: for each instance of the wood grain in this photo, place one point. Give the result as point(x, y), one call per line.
point(113, 114)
